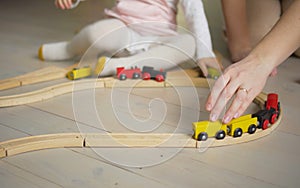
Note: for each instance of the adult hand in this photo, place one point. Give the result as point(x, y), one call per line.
point(63, 4)
point(212, 62)
point(243, 80)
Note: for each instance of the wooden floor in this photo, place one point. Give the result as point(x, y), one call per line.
point(269, 162)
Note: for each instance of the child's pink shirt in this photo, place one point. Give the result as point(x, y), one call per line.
point(147, 17)
point(158, 18)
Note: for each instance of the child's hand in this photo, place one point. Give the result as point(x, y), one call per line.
point(63, 4)
point(208, 62)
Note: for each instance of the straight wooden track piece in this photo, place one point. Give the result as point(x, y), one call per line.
point(187, 82)
point(187, 78)
point(133, 83)
point(137, 140)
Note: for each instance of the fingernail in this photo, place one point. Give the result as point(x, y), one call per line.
point(208, 107)
point(226, 119)
point(236, 115)
point(213, 117)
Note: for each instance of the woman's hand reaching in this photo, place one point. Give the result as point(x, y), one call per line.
point(242, 81)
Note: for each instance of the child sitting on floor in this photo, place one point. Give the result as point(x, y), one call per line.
point(146, 30)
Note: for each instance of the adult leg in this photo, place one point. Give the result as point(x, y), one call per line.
point(262, 16)
point(285, 5)
point(166, 53)
point(112, 34)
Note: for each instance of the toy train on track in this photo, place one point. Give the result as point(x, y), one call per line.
point(146, 73)
point(244, 124)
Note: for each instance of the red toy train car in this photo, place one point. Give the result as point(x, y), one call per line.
point(146, 74)
point(150, 73)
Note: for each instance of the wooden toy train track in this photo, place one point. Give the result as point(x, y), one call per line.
point(118, 140)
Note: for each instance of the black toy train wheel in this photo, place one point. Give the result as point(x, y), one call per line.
point(220, 135)
point(123, 77)
point(202, 136)
point(237, 132)
point(136, 75)
point(251, 129)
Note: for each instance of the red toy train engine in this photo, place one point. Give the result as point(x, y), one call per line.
point(271, 112)
point(133, 73)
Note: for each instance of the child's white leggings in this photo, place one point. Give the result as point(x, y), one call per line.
point(111, 37)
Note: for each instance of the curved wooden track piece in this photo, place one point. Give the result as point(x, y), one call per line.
point(125, 140)
point(180, 78)
point(38, 76)
point(49, 92)
point(34, 143)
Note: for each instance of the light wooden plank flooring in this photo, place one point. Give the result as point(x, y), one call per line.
point(269, 162)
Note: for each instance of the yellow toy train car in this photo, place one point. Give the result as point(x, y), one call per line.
point(235, 128)
point(205, 129)
point(78, 73)
point(243, 124)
